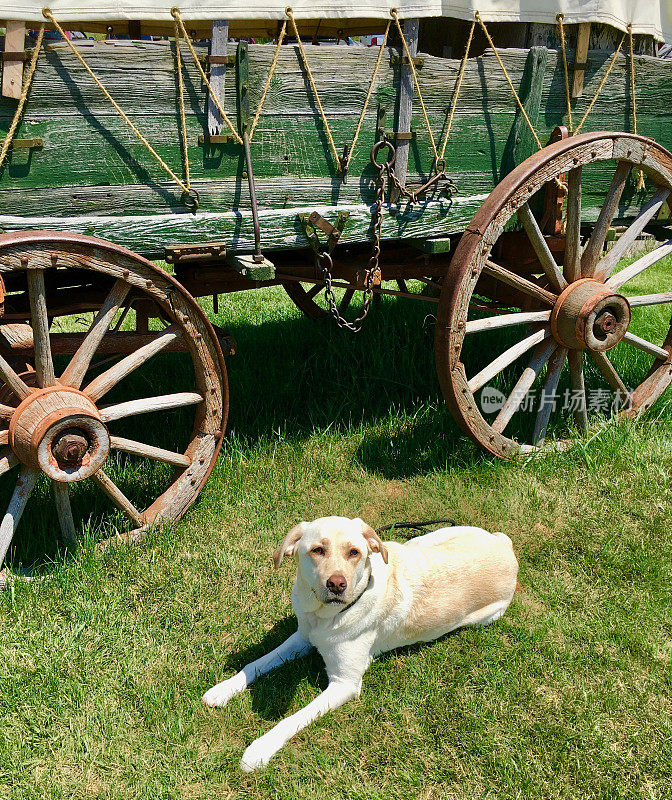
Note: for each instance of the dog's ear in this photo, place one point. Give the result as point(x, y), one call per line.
point(373, 540)
point(288, 544)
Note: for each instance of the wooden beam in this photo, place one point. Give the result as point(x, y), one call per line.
point(12, 71)
point(580, 56)
point(405, 109)
point(220, 35)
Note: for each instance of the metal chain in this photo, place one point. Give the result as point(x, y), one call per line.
point(324, 260)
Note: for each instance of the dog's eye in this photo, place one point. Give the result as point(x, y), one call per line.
point(319, 551)
point(353, 553)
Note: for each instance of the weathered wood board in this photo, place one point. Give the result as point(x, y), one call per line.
point(93, 176)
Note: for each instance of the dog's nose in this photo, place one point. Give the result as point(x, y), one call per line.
point(337, 584)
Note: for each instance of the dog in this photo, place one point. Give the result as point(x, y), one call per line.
point(356, 597)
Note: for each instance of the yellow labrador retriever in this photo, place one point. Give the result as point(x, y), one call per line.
point(356, 597)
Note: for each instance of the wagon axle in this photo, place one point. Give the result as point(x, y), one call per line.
point(586, 315)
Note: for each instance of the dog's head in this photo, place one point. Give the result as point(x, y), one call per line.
point(333, 555)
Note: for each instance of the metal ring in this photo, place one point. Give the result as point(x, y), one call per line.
point(377, 147)
point(440, 165)
point(191, 199)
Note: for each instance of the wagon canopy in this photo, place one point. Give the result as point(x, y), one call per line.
point(259, 17)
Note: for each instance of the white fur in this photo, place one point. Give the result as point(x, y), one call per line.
point(433, 584)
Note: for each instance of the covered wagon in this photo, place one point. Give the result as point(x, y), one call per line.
point(438, 152)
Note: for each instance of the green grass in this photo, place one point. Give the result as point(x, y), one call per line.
point(569, 695)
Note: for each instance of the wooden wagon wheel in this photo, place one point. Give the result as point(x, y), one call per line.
point(60, 423)
point(551, 316)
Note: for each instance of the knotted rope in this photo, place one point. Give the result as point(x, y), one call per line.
point(370, 92)
point(341, 161)
point(22, 99)
point(414, 73)
point(183, 113)
point(187, 193)
point(456, 94)
point(560, 18)
point(313, 87)
point(640, 174)
point(175, 12)
point(602, 84)
point(271, 70)
point(509, 81)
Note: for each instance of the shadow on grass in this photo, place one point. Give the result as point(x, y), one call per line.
point(292, 378)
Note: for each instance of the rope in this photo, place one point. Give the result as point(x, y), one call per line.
point(175, 12)
point(183, 115)
point(456, 94)
point(185, 188)
point(508, 80)
point(640, 176)
point(602, 84)
point(267, 85)
point(22, 100)
point(370, 92)
point(313, 88)
point(414, 73)
point(560, 18)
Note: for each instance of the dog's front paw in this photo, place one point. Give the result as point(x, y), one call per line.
point(220, 695)
point(258, 754)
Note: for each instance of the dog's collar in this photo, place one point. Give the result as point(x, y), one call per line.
point(360, 595)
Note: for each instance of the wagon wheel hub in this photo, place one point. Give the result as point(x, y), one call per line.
point(58, 430)
point(589, 316)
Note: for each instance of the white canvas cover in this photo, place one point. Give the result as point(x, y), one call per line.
point(652, 17)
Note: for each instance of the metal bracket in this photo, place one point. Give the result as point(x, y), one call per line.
point(199, 251)
point(25, 144)
point(243, 85)
point(208, 60)
point(205, 140)
point(401, 136)
point(314, 221)
point(19, 55)
point(402, 61)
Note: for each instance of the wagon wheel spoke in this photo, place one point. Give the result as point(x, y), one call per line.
point(572, 265)
point(15, 383)
point(611, 376)
point(506, 320)
point(44, 364)
point(547, 400)
point(149, 451)
point(313, 291)
point(524, 384)
point(107, 380)
point(607, 264)
point(401, 285)
point(645, 346)
point(7, 460)
point(76, 370)
point(64, 511)
point(506, 358)
point(595, 245)
point(22, 491)
point(541, 248)
point(637, 267)
point(149, 404)
point(518, 282)
point(110, 488)
point(578, 383)
point(6, 412)
point(650, 299)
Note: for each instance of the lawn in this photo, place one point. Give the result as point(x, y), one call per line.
point(569, 695)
